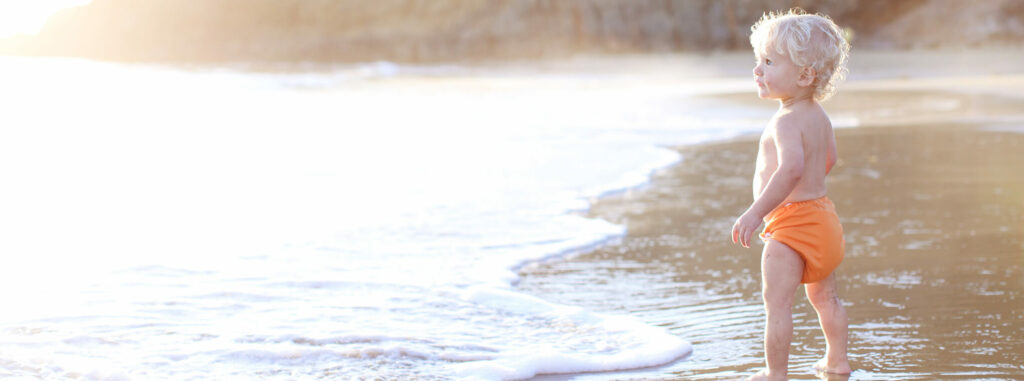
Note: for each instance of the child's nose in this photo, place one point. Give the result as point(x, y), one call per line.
point(757, 70)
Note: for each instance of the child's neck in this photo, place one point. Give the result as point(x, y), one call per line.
point(789, 102)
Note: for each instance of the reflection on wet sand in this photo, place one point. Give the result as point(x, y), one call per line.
point(933, 280)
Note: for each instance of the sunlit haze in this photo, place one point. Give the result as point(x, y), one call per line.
point(491, 191)
point(28, 17)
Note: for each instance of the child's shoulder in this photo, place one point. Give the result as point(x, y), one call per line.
point(809, 115)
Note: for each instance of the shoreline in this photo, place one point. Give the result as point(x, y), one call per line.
point(869, 68)
point(680, 273)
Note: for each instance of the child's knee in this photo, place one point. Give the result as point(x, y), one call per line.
point(823, 299)
point(775, 298)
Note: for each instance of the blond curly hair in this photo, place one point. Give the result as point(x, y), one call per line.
point(808, 40)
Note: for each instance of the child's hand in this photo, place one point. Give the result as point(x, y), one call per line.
point(744, 228)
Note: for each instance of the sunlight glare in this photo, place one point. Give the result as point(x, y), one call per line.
point(28, 17)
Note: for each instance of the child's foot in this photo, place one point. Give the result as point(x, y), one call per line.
point(765, 375)
point(824, 366)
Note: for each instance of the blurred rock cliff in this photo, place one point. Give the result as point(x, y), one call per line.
point(454, 30)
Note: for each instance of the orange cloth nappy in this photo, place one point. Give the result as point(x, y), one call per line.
point(812, 229)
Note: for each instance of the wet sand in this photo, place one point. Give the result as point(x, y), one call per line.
point(932, 202)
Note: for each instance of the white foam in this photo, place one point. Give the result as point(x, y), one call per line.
point(265, 224)
point(632, 344)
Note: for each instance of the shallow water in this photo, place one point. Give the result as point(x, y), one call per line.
point(361, 222)
point(367, 222)
point(933, 280)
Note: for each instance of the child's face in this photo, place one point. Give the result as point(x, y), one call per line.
point(776, 75)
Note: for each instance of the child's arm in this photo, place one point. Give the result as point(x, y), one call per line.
point(790, 151)
point(833, 154)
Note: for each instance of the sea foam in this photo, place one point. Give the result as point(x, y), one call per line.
point(612, 342)
point(368, 223)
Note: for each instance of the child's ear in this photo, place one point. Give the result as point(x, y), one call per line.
point(807, 76)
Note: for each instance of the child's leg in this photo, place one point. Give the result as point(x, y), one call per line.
point(781, 269)
point(832, 316)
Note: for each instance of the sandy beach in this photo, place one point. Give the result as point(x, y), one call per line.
point(489, 191)
point(930, 191)
point(305, 229)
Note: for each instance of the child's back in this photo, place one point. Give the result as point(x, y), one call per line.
point(818, 146)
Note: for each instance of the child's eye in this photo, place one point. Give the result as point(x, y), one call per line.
point(767, 62)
